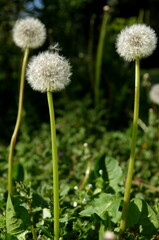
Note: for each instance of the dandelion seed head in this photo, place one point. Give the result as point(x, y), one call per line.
point(137, 40)
point(108, 235)
point(106, 8)
point(29, 32)
point(154, 94)
point(48, 72)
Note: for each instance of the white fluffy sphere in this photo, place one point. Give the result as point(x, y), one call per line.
point(108, 235)
point(48, 72)
point(154, 94)
point(29, 32)
point(137, 40)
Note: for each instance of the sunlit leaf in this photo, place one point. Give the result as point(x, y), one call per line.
point(106, 204)
point(140, 213)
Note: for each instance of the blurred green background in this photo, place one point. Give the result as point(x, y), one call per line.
point(76, 24)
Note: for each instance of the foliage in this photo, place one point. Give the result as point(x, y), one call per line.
point(83, 211)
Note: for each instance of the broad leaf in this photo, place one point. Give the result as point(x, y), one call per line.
point(114, 173)
point(38, 201)
point(111, 172)
point(18, 173)
point(140, 213)
point(106, 204)
point(17, 219)
point(13, 224)
point(21, 236)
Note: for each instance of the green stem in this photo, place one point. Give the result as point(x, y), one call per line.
point(133, 146)
point(101, 232)
point(31, 218)
point(87, 173)
point(33, 233)
point(18, 120)
point(100, 55)
point(55, 166)
point(141, 16)
point(157, 135)
point(90, 51)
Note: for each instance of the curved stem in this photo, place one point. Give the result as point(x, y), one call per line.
point(17, 125)
point(100, 55)
point(87, 173)
point(133, 146)
point(55, 166)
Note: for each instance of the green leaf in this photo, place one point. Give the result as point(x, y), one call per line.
point(13, 224)
point(17, 218)
point(21, 236)
point(10, 237)
point(100, 164)
point(38, 201)
point(106, 204)
point(114, 173)
point(140, 213)
point(18, 173)
point(46, 232)
point(64, 189)
point(134, 212)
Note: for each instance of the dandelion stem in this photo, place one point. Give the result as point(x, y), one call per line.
point(133, 146)
point(100, 55)
point(90, 51)
point(55, 165)
point(17, 125)
point(87, 173)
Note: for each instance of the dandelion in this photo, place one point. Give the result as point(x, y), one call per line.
point(106, 8)
point(137, 40)
point(49, 72)
point(29, 33)
point(133, 43)
point(154, 94)
point(108, 235)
